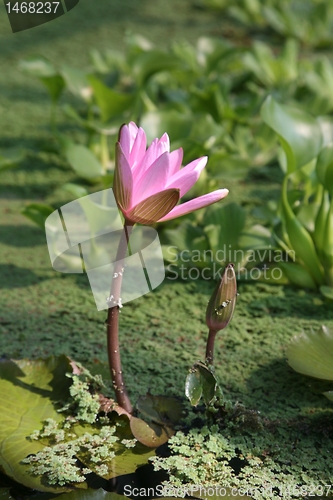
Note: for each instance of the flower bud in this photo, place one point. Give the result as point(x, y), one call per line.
point(221, 306)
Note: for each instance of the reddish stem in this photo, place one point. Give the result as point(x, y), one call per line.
point(113, 323)
point(210, 346)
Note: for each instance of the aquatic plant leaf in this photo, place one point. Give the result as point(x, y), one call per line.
point(110, 102)
point(38, 213)
point(299, 132)
point(312, 353)
point(327, 291)
point(28, 393)
point(200, 381)
point(193, 386)
point(83, 161)
point(149, 433)
point(160, 409)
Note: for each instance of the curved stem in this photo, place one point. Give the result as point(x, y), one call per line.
point(113, 323)
point(210, 346)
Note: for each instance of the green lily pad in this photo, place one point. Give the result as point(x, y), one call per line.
point(28, 393)
point(150, 434)
point(127, 457)
point(312, 354)
point(161, 409)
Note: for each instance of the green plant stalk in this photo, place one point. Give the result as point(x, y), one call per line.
point(113, 324)
point(300, 239)
point(327, 257)
point(320, 222)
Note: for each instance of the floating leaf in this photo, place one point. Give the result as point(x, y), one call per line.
point(161, 409)
point(28, 393)
point(150, 434)
point(312, 354)
point(126, 459)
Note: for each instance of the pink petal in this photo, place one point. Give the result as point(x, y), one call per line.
point(176, 158)
point(123, 180)
point(164, 144)
point(200, 202)
point(133, 132)
point(125, 140)
point(138, 150)
point(155, 150)
point(153, 181)
point(187, 176)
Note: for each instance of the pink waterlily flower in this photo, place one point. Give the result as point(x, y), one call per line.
point(148, 183)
